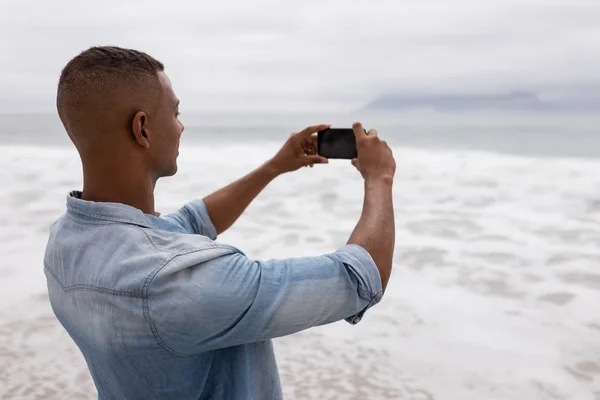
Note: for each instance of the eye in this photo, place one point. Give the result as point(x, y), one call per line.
point(177, 114)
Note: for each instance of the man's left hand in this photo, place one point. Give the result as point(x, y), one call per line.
point(300, 150)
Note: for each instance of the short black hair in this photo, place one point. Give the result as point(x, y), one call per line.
point(103, 69)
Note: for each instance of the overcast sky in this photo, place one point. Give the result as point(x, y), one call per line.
point(310, 55)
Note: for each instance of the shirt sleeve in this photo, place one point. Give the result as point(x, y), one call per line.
point(232, 300)
point(193, 218)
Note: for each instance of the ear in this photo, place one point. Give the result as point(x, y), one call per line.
point(139, 127)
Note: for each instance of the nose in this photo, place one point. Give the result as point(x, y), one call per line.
point(182, 127)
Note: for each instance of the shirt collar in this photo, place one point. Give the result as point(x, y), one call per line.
point(105, 211)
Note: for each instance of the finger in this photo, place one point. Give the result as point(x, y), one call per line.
point(355, 162)
point(309, 160)
point(313, 142)
point(314, 129)
point(359, 131)
point(372, 132)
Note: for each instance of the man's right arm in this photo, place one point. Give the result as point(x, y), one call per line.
point(196, 305)
point(375, 231)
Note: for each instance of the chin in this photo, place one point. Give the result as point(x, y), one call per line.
point(168, 172)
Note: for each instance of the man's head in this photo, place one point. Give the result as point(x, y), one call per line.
point(118, 106)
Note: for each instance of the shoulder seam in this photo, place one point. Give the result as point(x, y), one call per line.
point(146, 307)
point(151, 242)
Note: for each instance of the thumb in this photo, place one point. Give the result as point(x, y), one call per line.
point(309, 160)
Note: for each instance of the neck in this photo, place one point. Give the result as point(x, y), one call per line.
point(110, 184)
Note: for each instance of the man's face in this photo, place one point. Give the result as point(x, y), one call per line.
point(166, 130)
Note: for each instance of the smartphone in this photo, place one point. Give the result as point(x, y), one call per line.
point(337, 143)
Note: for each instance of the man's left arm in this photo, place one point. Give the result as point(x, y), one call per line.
point(226, 205)
point(216, 212)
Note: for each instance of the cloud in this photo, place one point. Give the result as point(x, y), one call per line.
point(310, 55)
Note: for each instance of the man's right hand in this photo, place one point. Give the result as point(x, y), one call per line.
point(375, 159)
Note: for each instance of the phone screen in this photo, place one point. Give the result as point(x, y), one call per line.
point(337, 143)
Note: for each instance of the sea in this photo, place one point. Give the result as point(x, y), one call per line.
point(495, 291)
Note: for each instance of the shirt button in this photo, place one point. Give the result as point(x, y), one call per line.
point(357, 319)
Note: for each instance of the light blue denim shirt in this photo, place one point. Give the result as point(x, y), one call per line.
point(160, 310)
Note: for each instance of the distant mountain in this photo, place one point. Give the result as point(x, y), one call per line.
point(514, 101)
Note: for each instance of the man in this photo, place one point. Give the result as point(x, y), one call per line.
point(159, 309)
